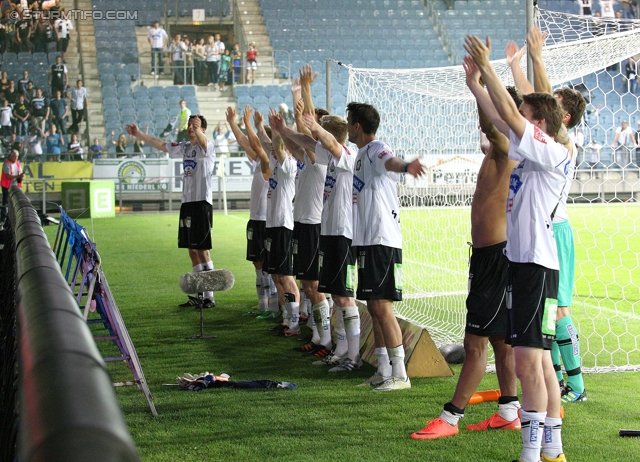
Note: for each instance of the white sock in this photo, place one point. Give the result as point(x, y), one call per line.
point(294, 312)
point(197, 268)
point(311, 322)
point(384, 366)
point(396, 358)
point(341, 335)
point(323, 322)
point(351, 318)
point(552, 442)
point(509, 411)
point(303, 304)
point(208, 266)
point(329, 301)
point(267, 280)
point(451, 418)
point(532, 429)
point(286, 315)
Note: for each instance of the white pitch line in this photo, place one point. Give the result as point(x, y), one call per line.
point(437, 267)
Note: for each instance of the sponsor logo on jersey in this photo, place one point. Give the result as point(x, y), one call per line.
point(189, 166)
point(272, 183)
point(538, 135)
point(175, 144)
point(515, 183)
point(358, 184)
point(384, 153)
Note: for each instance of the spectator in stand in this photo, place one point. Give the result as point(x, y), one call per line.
point(157, 38)
point(182, 125)
point(75, 147)
point(626, 7)
point(213, 58)
point(188, 60)
point(39, 110)
point(64, 27)
point(21, 116)
point(54, 142)
point(222, 138)
point(79, 105)
point(121, 144)
point(236, 56)
point(4, 82)
point(578, 139)
point(177, 50)
point(6, 127)
point(11, 94)
point(200, 62)
point(606, 9)
point(593, 154)
point(627, 142)
point(10, 32)
point(30, 93)
point(631, 72)
point(252, 64)
point(585, 7)
point(59, 112)
point(3, 36)
point(58, 77)
point(50, 36)
point(138, 144)
point(96, 149)
point(23, 33)
point(35, 144)
point(11, 174)
point(23, 83)
point(225, 70)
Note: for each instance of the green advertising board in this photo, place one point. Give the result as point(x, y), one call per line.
point(89, 199)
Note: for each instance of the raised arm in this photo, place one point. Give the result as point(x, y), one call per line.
point(276, 120)
point(327, 140)
point(482, 97)
point(241, 138)
point(307, 77)
point(261, 132)
point(256, 146)
point(502, 101)
point(535, 41)
point(300, 139)
point(133, 130)
point(514, 56)
point(202, 139)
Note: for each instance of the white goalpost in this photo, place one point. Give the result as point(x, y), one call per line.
point(430, 113)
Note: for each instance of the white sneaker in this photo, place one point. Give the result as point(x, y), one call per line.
point(375, 380)
point(347, 365)
point(394, 383)
point(210, 84)
point(329, 360)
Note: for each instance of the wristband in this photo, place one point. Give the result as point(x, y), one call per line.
point(404, 167)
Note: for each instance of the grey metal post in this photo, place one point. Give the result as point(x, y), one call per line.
point(530, 24)
point(44, 197)
point(328, 70)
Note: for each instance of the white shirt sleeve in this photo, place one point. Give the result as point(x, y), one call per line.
point(174, 149)
point(540, 148)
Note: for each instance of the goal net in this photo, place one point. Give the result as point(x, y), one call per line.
point(430, 113)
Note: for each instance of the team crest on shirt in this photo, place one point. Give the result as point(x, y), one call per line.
point(301, 165)
point(190, 155)
point(538, 135)
point(189, 166)
point(515, 183)
point(358, 164)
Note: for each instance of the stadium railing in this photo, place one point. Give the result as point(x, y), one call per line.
point(67, 405)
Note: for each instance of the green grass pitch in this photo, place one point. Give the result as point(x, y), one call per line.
point(328, 417)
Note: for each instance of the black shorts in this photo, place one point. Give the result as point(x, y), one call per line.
point(306, 239)
point(196, 220)
point(486, 304)
point(256, 234)
point(336, 265)
point(278, 255)
point(379, 273)
point(532, 292)
point(63, 44)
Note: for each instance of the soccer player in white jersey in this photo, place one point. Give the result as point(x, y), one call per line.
point(376, 234)
point(567, 342)
point(337, 262)
point(196, 212)
point(486, 308)
point(265, 288)
point(280, 170)
point(535, 189)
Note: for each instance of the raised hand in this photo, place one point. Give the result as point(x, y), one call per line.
point(230, 115)
point(307, 77)
point(132, 129)
point(258, 119)
point(276, 121)
point(535, 41)
point(310, 121)
point(478, 50)
point(471, 70)
point(299, 108)
point(295, 86)
point(514, 53)
point(247, 115)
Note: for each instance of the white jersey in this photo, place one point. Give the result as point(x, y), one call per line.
point(282, 188)
point(337, 210)
point(307, 207)
point(376, 210)
point(562, 214)
point(259, 189)
point(534, 191)
point(157, 36)
point(606, 9)
point(198, 169)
